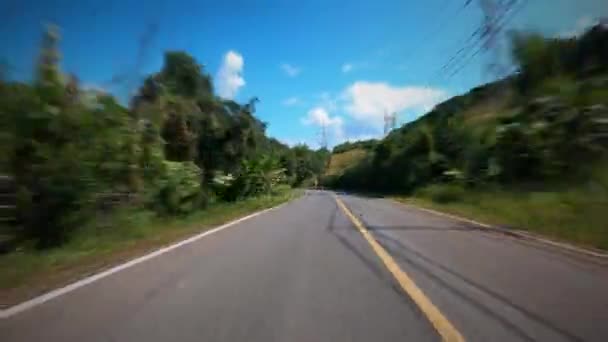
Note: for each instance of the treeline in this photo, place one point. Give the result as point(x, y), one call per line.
point(177, 147)
point(362, 144)
point(547, 123)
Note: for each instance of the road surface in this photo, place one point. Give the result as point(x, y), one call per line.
point(303, 272)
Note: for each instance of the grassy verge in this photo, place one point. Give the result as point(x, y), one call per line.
point(28, 272)
point(578, 216)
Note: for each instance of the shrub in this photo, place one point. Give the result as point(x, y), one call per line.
point(52, 201)
point(179, 190)
point(442, 193)
point(256, 177)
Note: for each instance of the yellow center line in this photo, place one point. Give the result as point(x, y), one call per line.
point(447, 331)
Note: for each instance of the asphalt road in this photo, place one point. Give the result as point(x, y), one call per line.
point(302, 272)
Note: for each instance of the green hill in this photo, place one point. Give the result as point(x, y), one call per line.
point(340, 162)
point(529, 150)
point(347, 155)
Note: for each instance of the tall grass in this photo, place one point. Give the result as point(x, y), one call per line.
point(576, 213)
point(339, 162)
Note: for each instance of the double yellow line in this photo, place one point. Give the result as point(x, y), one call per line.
point(439, 321)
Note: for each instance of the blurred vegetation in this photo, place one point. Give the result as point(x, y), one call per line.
point(572, 212)
point(70, 154)
point(362, 144)
point(543, 129)
point(340, 162)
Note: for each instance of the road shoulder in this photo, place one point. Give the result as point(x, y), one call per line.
point(562, 246)
point(40, 273)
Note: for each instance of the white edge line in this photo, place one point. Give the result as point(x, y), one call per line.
point(15, 309)
point(519, 233)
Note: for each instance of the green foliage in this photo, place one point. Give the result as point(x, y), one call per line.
point(570, 212)
point(255, 177)
point(347, 146)
point(540, 58)
point(182, 75)
point(442, 193)
point(53, 162)
point(309, 164)
point(49, 138)
point(179, 189)
point(77, 153)
point(178, 130)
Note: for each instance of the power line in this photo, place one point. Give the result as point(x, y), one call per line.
point(497, 16)
point(431, 35)
point(467, 45)
point(490, 36)
point(481, 33)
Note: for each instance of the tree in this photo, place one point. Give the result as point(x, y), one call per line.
point(182, 75)
point(74, 152)
point(48, 74)
point(178, 130)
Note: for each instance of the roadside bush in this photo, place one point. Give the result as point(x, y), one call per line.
point(76, 153)
point(256, 177)
point(179, 190)
point(442, 193)
point(280, 189)
point(516, 153)
point(51, 160)
point(221, 184)
point(54, 195)
point(307, 183)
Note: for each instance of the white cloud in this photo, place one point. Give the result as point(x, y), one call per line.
point(291, 101)
point(319, 117)
point(582, 24)
point(368, 101)
point(347, 67)
point(290, 70)
point(229, 78)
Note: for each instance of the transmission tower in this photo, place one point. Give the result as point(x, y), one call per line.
point(386, 120)
point(390, 122)
point(323, 136)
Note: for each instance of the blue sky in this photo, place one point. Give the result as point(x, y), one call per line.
point(337, 63)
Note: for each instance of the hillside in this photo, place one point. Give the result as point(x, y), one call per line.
point(537, 139)
point(340, 162)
